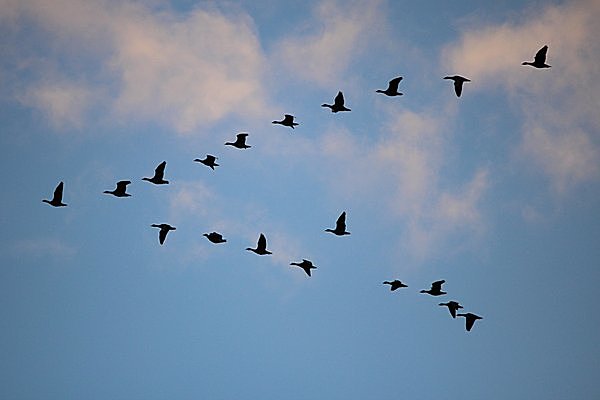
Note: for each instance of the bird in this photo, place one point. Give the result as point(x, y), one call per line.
point(436, 288)
point(305, 265)
point(392, 89)
point(57, 197)
point(215, 237)
point(453, 307)
point(338, 104)
point(395, 284)
point(164, 229)
point(261, 246)
point(159, 174)
point(121, 189)
point(539, 60)
point(288, 120)
point(340, 226)
point(458, 83)
point(209, 161)
point(240, 141)
point(469, 319)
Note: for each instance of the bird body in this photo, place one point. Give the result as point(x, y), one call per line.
point(338, 104)
point(436, 288)
point(159, 174)
point(261, 246)
point(57, 197)
point(539, 60)
point(392, 89)
point(240, 141)
point(470, 319)
point(395, 284)
point(164, 229)
point(288, 120)
point(215, 237)
point(209, 161)
point(120, 190)
point(453, 307)
point(458, 83)
point(306, 265)
point(340, 226)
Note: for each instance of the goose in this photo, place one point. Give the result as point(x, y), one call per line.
point(340, 226)
point(436, 288)
point(164, 229)
point(395, 284)
point(458, 83)
point(288, 120)
point(214, 237)
point(338, 104)
point(261, 246)
point(453, 307)
point(392, 89)
point(209, 161)
point(240, 141)
point(469, 319)
point(539, 60)
point(57, 197)
point(121, 189)
point(159, 174)
point(305, 265)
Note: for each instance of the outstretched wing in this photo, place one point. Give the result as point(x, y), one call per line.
point(122, 186)
point(340, 224)
point(393, 84)
point(437, 285)
point(262, 242)
point(540, 56)
point(162, 235)
point(458, 84)
point(339, 100)
point(58, 193)
point(159, 172)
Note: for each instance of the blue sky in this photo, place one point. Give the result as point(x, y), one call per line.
point(497, 192)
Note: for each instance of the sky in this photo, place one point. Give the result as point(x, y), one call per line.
point(496, 192)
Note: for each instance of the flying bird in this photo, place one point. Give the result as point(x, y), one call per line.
point(458, 83)
point(436, 288)
point(240, 141)
point(392, 89)
point(453, 307)
point(469, 319)
point(340, 226)
point(261, 246)
point(209, 161)
point(288, 120)
point(338, 104)
point(159, 174)
point(214, 237)
point(164, 229)
point(57, 197)
point(121, 189)
point(539, 60)
point(395, 284)
point(305, 265)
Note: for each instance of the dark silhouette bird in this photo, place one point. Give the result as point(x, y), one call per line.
point(164, 229)
point(57, 197)
point(261, 246)
point(453, 307)
point(159, 174)
point(288, 120)
point(458, 83)
point(121, 189)
point(338, 104)
point(240, 141)
point(392, 89)
point(539, 60)
point(215, 237)
point(340, 226)
point(209, 161)
point(436, 288)
point(305, 265)
point(395, 284)
point(469, 319)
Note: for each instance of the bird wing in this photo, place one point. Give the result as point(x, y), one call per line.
point(339, 99)
point(469, 321)
point(159, 172)
point(437, 285)
point(122, 186)
point(58, 193)
point(540, 56)
point(458, 84)
point(262, 243)
point(210, 159)
point(162, 235)
point(288, 119)
point(393, 84)
point(340, 224)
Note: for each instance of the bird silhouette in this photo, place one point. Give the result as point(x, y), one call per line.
point(215, 237)
point(121, 189)
point(261, 246)
point(539, 60)
point(209, 161)
point(436, 288)
point(288, 120)
point(159, 174)
point(164, 229)
point(305, 265)
point(392, 89)
point(340, 226)
point(453, 307)
point(395, 284)
point(458, 83)
point(57, 197)
point(469, 319)
point(240, 141)
point(338, 104)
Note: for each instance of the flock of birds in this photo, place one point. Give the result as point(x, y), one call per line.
point(340, 225)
